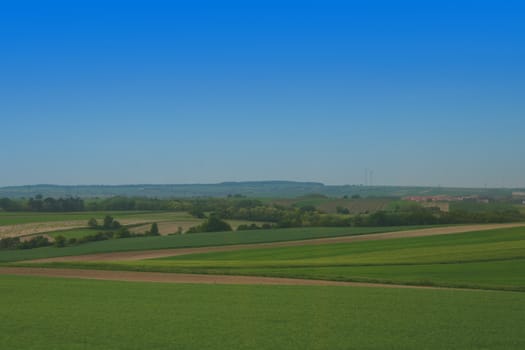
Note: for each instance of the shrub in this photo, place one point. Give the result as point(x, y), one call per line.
point(9, 243)
point(246, 227)
point(60, 241)
point(123, 232)
point(92, 223)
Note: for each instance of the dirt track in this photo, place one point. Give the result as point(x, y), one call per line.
point(151, 254)
point(19, 230)
point(186, 278)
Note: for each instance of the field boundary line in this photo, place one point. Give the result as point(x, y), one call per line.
point(160, 277)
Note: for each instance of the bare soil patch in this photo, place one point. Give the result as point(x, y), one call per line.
point(186, 278)
point(160, 253)
point(19, 230)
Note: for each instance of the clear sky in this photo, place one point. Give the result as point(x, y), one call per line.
point(120, 92)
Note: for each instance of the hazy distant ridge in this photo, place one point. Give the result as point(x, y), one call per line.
point(248, 188)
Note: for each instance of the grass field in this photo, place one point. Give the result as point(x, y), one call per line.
point(84, 314)
point(330, 204)
point(74, 233)
point(480, 207)
point(194, 240)
point(487, 260)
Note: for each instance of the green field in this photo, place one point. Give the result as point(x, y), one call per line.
point(12, 218)
point(87, 314)
point(330, 204)
point(74, 233)
point(486, 259)
point(53, 313)
point(194, 240)
point(481, 207)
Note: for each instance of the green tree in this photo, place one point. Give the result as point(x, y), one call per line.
point(215, 224)
point(108, 222)
point(92, 223)
point(60, 241)
point(342, 210)
point(154, 230)
point(122, 232)
point(115, 224)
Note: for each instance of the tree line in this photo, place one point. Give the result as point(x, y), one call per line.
point(41, 204)
point(240, 208)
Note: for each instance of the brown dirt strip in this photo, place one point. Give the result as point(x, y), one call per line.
point(160, 253)
point(19, 230)
point(160, 277)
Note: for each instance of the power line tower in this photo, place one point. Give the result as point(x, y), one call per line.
point(369, 177)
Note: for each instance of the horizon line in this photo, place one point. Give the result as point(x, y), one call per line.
point(259, 182)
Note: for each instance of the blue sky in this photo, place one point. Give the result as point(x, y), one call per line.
point(119, 92)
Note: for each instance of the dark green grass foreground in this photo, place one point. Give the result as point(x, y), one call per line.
point(485, 260)
point(195, 240)
point(54, 313)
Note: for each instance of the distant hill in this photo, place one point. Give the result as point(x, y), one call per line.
point(279, 189)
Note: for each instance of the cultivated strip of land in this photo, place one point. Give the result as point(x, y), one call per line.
point(21, 230)
point(160, 253)
point(160, 277)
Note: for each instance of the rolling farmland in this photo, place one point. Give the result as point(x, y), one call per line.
point(127, 315)
point(289, 288)
point(492, 259)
